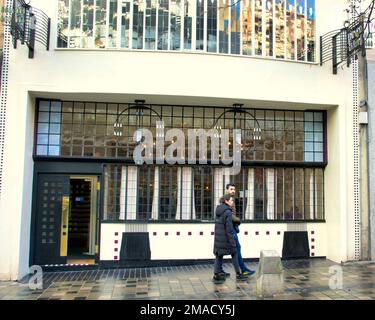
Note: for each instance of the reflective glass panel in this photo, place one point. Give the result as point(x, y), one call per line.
point(258, 32)
point(138, 12)
point(247, 27)
point(150, 27)
point(100, 24)
point(112, 24)
point(280, 28)
point(176, 10)
point(301, 29)
point(235, 26)
point(290, 29)
point(125, 23)
point(269, 28)
point(200, 25)
point(88, 24)
point(212, 25)
point(223, 26)
point(163, 24)
point(310, 30)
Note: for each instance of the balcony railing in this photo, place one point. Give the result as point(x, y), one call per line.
point(29, 25)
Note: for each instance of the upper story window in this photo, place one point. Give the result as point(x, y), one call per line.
point(283, 29)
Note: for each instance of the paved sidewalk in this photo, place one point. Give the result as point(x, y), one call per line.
point(303, 280)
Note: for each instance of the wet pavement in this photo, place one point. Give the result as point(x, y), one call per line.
point(313, 279)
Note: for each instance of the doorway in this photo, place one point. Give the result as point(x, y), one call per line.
point(66, 219)
point(81, 247)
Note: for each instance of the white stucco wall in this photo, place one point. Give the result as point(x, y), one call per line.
point(181, 78)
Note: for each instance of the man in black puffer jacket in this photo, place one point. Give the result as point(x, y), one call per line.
point(224, 243)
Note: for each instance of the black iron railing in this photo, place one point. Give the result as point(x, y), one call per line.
point(29, 25)
point(343, 44)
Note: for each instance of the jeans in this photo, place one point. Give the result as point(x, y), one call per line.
point(240, 259)
point(219, 263)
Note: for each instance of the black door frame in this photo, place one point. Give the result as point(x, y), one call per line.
point(53, 166)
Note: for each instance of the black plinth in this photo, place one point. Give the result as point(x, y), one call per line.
point(296, 245)
point(135, 246)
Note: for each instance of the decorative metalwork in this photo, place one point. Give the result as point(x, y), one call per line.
point(139, 108)
point(29, 24)
point(343, 44)
point(242, 120)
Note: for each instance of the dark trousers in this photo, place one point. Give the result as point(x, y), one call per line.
point(219, 263)
point(240, 259)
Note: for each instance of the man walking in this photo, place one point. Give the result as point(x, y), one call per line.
point(231, 190)
point(224, 243)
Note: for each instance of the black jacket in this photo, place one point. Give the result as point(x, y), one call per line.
point(224, 243)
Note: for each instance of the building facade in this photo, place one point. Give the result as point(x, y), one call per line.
point(70, 189)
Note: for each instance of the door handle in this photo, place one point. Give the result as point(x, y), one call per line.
point(64, 226)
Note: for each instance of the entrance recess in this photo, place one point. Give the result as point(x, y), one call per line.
point(66, 219)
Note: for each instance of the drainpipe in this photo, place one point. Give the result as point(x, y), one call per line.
point(364, 160)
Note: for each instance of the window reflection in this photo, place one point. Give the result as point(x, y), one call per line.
point(291, 136)
point(75, 24)
point(276, 28)
point(223, 26)
point(112, 24)
point(235, 27)
point(280, 28)
point(150, 28)
point(175, 40)
point(88, 24)
point(138, 11)
point(310, 30)
point(258, 32)
point(301, 30)
point(212, 25)
point(146, 184)
point(259, 193)
point(188, 23)
point(125, 23)
point(290, 26)
point(203, 193)
point(200, 25)
point(163, 24)
point(168, 192)
point(269, 28)
point(100, 24)
point(62, 24)
point(247, 27)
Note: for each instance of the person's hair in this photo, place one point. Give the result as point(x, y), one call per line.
point(230, 185)
point(225, 197)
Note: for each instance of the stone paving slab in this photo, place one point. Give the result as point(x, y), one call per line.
point(302, 280)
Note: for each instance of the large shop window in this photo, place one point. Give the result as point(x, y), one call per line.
point(283, 29)
point(165, 193)
point(105, 130)
point(283, 154)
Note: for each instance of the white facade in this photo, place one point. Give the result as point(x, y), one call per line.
point(187, 78)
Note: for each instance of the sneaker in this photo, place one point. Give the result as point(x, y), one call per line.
point(241, 277)
point(248, 273)
point(218, 278)
point(226, 274)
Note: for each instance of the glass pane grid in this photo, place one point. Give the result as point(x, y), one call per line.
point(85, 129)
point(289, 26)
point(261, 193)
